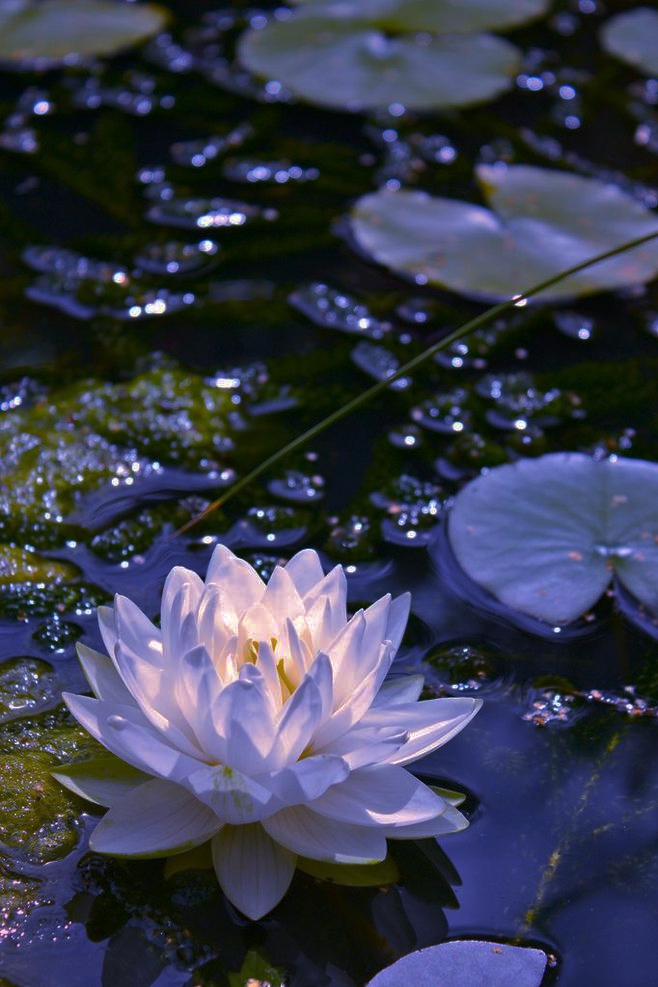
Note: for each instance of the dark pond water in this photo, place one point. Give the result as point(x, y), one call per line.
point(148, 366)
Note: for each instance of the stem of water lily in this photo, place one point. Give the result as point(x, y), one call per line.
point(464, 330)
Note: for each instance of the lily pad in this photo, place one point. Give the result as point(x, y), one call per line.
point(441, 16)
point(352, 63)
point(545, 536)
point(540, 223)
point(464, 963)
point(44, 33)
point(633, 37)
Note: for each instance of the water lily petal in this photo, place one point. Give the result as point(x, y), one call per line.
point(430, 723)
point(137, 632)
point(302, 713)
point(155, 819)
point(356, 703)
point(398, 616)
point(254, 872)
point(311, 835)
point(306, 780)
point(126, 732)
point(102, 676)
point(450, 821)
point(179, 624)
point(226, 570)
point(243, 712)
point(108, 628)
point(233, 797)
point(363, 745)
point(305, 570)
point(281, 596)
point(326, 608)
point(217, 620)
point(152, 689)
point(103, 780)
point(174, 587)
point(406, 689)
point(381, 795)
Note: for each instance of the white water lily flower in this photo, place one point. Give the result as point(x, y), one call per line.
point(257, 717)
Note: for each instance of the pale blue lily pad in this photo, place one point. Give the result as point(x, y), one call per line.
point(633, 38)
point(546, 536)
point(440, 16)
point(466, 963)
point(540, 222)
point(354, 64)
point(43, 33)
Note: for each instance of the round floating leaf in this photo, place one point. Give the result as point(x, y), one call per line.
point(540, 222)
point(545, 536)
point(352, 64)
point(49, 32)
point(633, 37)
point(466, 963)
point(441, 16)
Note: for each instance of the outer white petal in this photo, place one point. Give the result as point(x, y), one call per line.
point(431, 723)
point(126, 732)
point(152, 690)
point(450, 821)
point(307, 779)
point(179, 578)
point(137, 632)
point(254, 872)
point(234, 798)
point(405, 689)
point(108, 629)
point(103, 780)
point(155, 819)
point(235, 576)
point(311, 835)
point(305, 570)
point(398, 616)
point(380, 795)
point(363, 745)
point(102, 676)
point(179, 622)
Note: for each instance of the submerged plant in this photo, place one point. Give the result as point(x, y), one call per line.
point(257, 717)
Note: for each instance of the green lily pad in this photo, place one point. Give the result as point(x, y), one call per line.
point(540, 222)
point(464, 963)
point(633, 37)
point(43, 33)
point(352, 63)
point(545, 536)
point(441, 16)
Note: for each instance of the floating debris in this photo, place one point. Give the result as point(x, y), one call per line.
point(137, 95)
point(413, 507)
point(334, 309)
point(446, 413)
point(197, 153)
point(519, 402)
point(273, 172)
point(174, 257)
point(378, 362)
point(193, 213)
point(298, 487)
point(574, 325)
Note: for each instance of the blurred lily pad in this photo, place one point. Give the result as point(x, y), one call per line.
point(540, 222)
point(442, 16)
point(633, 37)
point(43, 33)
point(464, 963)
point(545, 536)
point(351, 61)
